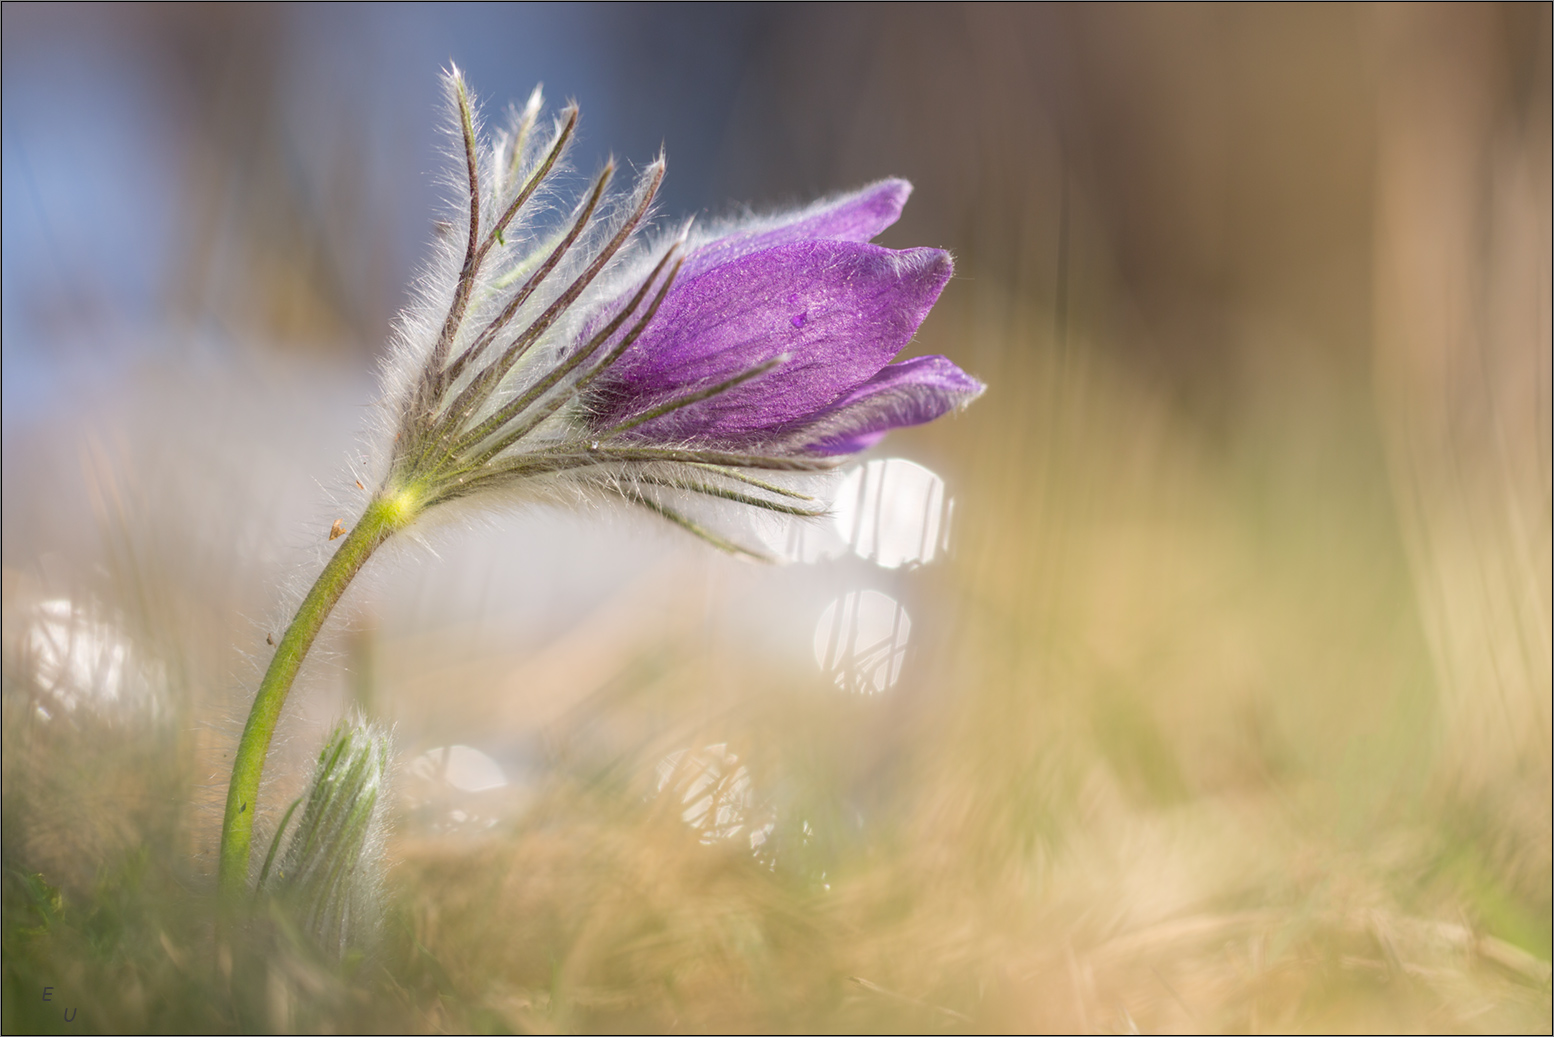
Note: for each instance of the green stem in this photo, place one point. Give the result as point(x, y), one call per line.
point(388, 513)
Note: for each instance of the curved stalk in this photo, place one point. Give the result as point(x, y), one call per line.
point(389, 512)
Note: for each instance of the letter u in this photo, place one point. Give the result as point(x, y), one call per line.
point(70, 1015)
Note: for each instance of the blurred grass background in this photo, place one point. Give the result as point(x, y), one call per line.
point(1227, 709)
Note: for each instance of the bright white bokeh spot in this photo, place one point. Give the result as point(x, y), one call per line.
point(861, 641)
point(460, 767)
point(450, 789)
point(80, 661)
point(890, 511)
point(75, 658)
point(715, 793)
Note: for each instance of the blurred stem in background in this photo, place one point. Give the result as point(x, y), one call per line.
point(1462, 312)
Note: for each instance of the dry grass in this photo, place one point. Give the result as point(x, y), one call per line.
point(1168, 756)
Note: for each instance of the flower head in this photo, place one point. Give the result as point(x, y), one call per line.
point(583, 352)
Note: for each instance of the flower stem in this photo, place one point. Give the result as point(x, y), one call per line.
point(388, 513)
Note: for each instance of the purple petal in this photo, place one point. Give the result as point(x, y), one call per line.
point(908, 393)
point(839, 311)
point(853, 217)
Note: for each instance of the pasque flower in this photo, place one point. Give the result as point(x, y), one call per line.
point(546, 355)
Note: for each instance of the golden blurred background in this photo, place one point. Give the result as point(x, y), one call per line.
point(1196, 678)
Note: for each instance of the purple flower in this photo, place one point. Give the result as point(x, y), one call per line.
point(814, 307)
point(548, 355)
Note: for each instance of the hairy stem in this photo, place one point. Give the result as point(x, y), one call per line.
point(389, 512)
